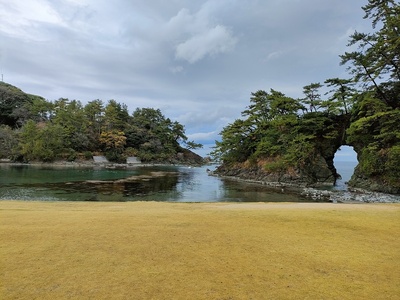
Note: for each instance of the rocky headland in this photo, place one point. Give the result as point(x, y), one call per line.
point(295, 183)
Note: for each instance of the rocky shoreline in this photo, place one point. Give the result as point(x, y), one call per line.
point(92, 163)
point(352, 195)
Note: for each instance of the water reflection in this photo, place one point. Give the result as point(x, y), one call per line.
point(172, 183)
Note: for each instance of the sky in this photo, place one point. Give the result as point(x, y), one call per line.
point(198, 61)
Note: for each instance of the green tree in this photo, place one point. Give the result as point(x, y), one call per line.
point(386, 41)
point(313, 98)
point(192, 145)
point(94, 113)
point(374, 131)
point(12, 100)
point(378, 55)
point(52, 141)
point(285, 135)
point(28, 140)
point(43, 142)
point(113, 142)
point(278, 134)
point(116, 116)
point(153, 135)
point(281, 105)
point(237, 142)
point(342, 96)
point(258, 112)
point(269, 124)
point(8, 142)
point(40, 109)
point(70, 116)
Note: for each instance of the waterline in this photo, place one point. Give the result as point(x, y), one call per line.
point(157, 183)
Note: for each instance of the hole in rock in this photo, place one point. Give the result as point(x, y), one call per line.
point(345, 161)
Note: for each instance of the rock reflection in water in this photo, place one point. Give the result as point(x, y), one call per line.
point(130, 188)
point(173, 183)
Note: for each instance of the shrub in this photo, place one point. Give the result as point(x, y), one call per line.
point(88, 155)
point(72, 155)
point(277, 166)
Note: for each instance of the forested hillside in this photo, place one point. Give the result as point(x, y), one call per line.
point(32, 128)
point(279, 138)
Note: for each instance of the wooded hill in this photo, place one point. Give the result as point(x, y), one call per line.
point(279, 138)
point(32, 128)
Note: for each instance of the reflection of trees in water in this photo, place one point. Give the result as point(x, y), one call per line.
point(149, 186)
point(251, 192)
point(186, 180)
point(122, 188)
point(155, 184)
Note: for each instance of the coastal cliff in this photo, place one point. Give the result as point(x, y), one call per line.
point(294, 140)
point(296, 153)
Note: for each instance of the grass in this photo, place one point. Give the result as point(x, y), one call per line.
point(149, 250)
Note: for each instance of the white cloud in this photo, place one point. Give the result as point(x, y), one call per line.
point(80, 3)
point(203, 136)
point(208, 113)
point(155, 53)
point(21, 18)
point(34, 10)
point(275, 55)
point(184, 23)
point(176, 69)
point(214, 41)
point(197, 35)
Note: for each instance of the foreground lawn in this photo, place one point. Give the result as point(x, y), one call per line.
point(139, 250)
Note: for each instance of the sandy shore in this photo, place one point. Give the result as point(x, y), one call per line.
point(150, 250)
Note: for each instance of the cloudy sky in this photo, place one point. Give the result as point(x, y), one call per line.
point(196, 60)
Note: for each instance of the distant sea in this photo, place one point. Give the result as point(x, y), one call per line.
point(346, 170)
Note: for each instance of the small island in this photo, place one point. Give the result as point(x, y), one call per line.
point(33, 129)
point(293, 141)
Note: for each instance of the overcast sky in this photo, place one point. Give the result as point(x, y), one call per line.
point(196, 60)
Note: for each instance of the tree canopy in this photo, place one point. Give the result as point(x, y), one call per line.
point(35, 129)
point(363, 111)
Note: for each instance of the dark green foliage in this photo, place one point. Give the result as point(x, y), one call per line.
point(8, 142)
point(115, 156)
point(154, 136)
point(277, 166)
point(191, 145)
point(342, 95)
point(313, 98)
point(116, 116)
point(375, 130)
point(65, 128)
point(88, 154)
point(278, 130)
point(12, 100)
point(43, 142)
point(392, 166)
point(71, 155)
point(237, 144)
point(376, 134)
point(304, 135)
point(378, 53)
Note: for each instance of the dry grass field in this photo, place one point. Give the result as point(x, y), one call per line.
point(149, 250)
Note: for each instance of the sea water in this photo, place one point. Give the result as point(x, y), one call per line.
point(175, 184)
point(346, 170)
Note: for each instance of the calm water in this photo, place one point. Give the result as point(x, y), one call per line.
point(346, 170)
point(177, 184)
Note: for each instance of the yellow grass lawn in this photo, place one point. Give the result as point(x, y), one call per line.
point(149, 250)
